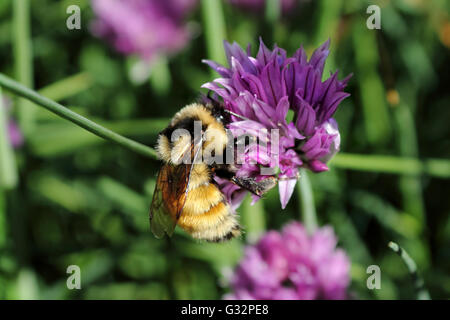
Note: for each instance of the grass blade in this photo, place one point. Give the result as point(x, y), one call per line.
point(422, 293)
point(67, 87)
point(214, 28)
point(23, 59)
point(376, 116)
point(306, 199)
point(8, 170)
point(439, 168)
point(273, 10)
point(253, 219)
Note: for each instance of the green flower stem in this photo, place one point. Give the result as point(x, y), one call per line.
point(410, 186)
point(273, 10)
point(23, 59)
point(8, 170)
point(81, 121)
point(3, 234)
point(306, 198)
point(422, 293)
point(160, 77)
point(328, 21)
point(327, 27)
point(214, 28)
point(375, 110)
point(391, 164)
point(253, 218)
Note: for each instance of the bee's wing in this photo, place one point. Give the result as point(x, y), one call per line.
point(169, 197)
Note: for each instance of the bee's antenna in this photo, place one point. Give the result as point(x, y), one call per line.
point(236, 115)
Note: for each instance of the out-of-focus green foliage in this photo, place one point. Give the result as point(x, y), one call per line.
point(82, 201)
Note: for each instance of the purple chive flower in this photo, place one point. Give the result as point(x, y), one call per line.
point(14, 133)
point(263, 89)
point(146, 28)
point(292, 265)
point(259, 5)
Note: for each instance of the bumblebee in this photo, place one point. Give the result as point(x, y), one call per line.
point(186, 193)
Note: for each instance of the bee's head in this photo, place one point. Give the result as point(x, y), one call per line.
point(219, 113)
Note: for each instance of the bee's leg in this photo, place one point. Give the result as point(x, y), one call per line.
point(256, 187)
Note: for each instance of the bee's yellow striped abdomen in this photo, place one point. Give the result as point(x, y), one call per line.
point(207, 216)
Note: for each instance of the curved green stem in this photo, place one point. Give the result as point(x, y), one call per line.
point(81, 121)
point(422, 293)
point(307, 205)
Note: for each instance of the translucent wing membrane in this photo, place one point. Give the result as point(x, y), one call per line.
point(169, 197)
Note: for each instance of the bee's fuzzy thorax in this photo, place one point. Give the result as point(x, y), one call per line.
point(214, 133)
point(196, 111)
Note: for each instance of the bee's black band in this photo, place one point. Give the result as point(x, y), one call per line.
point(186, 123)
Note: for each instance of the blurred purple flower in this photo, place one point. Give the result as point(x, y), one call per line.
point(14, 133)
point(15, 136)
point(143, 27)
point(292, 265)
point(263, 89)
point(259, 5)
